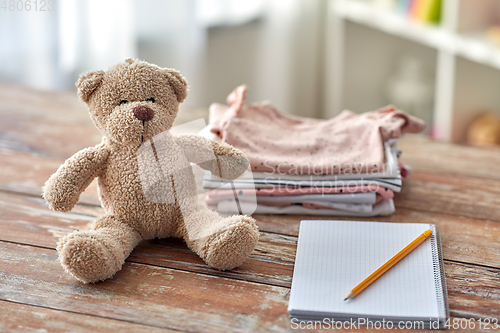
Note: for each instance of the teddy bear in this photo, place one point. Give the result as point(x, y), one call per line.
point(145, 180)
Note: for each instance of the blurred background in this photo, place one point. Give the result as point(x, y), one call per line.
point(436, 59)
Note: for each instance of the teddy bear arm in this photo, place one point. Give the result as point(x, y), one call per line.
point(62, 190)
point(220, 159)
point(231, 162)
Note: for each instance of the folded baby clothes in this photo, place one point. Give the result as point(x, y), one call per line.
point(358, 194)
point(385, 207)
point(345, 166)
point(277, 142)
point(389, 179)
point(333, 195)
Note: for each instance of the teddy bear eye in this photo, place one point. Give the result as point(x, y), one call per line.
point(123, 102)
point(151, 99)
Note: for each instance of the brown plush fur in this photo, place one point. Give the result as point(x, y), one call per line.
point(132, 214)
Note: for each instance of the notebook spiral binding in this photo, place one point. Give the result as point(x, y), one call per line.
point(439, 277)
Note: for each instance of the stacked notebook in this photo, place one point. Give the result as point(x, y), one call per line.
point(334, 256)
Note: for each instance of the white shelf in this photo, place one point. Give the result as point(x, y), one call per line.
point(474, 47)
point(466, 64)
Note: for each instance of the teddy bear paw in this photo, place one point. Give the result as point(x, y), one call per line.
point(229, 248)
point(85, 255)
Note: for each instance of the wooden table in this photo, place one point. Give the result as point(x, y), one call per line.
point(164, 286)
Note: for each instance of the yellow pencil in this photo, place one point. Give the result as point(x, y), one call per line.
point(391, 262)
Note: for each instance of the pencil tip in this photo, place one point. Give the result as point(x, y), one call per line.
point(351, 295)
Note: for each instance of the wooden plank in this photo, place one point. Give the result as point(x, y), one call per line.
point(271, 263)
point(473, 292)
point(471, 197)
point(53, 123)
point(22, 318)
point(27, 173)
point(162, 297)
point(42, 130)
point(454, 187)
point(434, 192)
point(23, 108)
point(144, 294)
point(28, 220)
point(15, 317)
point(45, 137)
point(463, 239)
point(35, 141)
point(425, 155)
point(15, 99)
point(453, 195)
point(44, 123)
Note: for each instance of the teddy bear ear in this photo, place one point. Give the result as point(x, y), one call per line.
point(177, 82)
point(87, 83)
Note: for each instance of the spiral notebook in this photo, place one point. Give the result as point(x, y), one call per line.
point(334, 256)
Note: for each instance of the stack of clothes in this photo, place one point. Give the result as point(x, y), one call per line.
point(345, 166)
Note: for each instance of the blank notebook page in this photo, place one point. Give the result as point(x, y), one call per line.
point(335, 256)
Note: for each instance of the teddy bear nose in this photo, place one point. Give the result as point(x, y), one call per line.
point(143, 113)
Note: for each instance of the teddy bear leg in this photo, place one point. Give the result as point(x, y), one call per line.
point(223, 243)
point(97, 254)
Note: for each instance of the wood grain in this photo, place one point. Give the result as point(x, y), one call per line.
point(476, 198)
point(143, 294)
point(22, 108)
point(183, 300)
point(163, 285)
point(22, 318)
point(270, 264)
point(473, 292)
point(26, 173)
point(452, 195)
point(27, 220)
point(463, 239)
point(47, 128)
point(428, 156)
point(53, 124)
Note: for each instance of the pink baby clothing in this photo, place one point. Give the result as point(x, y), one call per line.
point(284, 144)
point(355, 199)
point(289, 191)
point(384, 207)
